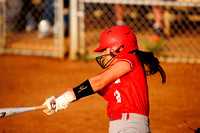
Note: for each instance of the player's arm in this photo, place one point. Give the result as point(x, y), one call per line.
point(100, 81)
point(113, 73)
point(88, 87)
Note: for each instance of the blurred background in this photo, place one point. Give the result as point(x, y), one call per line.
point(60, 35)
point(53, 28)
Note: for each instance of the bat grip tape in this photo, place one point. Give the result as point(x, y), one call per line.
point(83, 90)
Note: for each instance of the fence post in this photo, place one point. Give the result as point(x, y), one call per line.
point(73, 48)
point(59, 31)
point(2, 25)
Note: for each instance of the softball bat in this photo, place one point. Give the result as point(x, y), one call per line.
point(5, 112)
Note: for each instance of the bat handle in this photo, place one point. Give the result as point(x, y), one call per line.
point(40, 107)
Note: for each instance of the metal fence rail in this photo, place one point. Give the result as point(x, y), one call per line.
point(183, 3)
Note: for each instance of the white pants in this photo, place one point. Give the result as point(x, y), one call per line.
point(135, 124)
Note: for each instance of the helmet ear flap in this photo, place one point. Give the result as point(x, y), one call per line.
point(114, 53)
point(119, 49)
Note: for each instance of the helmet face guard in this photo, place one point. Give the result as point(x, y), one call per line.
point(101, 60)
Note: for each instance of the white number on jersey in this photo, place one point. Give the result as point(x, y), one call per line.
point(118, 97)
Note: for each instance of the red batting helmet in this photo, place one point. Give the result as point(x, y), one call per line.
point(117, 37)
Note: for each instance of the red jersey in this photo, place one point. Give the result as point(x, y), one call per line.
point(128, 94)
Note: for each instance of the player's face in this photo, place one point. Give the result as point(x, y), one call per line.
point(108, 57)
point(107, 53)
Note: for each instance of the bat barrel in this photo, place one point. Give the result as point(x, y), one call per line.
point(4, 112)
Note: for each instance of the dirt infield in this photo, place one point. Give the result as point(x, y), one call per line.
point(26, 81)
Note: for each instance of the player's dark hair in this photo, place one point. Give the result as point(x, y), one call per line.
point(151, 63)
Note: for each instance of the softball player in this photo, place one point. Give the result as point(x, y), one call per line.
point(123, 84)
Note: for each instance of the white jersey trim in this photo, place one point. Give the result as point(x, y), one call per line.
point(128, 62)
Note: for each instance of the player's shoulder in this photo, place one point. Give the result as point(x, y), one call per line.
point(129, 56)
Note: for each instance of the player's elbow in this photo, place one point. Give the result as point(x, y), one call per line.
point(97, 83)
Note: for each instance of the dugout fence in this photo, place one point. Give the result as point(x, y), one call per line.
point(19, 27)
point(181, 19)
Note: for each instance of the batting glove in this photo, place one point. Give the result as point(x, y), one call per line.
point(50, 104)
point(63, 101)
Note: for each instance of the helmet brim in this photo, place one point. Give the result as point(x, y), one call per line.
point(99, 49)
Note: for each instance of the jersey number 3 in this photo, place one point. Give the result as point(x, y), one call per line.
point(118, 97)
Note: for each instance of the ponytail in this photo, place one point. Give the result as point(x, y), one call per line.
point(151, 63)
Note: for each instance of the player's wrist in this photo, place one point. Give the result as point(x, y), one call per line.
point(64, 100)
point(83, 90)
point(69, 96)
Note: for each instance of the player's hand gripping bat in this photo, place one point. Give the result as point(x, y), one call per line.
point(4, 112)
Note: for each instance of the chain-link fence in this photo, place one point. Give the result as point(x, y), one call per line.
point(35, 27)
point(168, 28)
point(172, 33)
